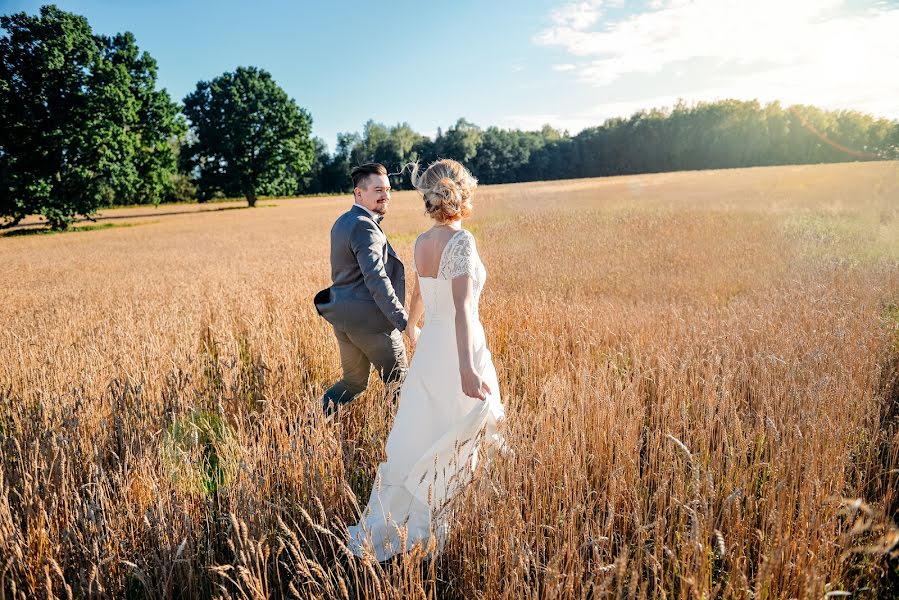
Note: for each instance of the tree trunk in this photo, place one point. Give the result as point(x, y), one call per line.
point(251, 198)
point(58, 223)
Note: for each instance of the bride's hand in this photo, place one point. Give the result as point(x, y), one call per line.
point(474, 386)
point(412, 332)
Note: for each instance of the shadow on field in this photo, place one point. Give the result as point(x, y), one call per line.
point(41, 229)
point(44, 231)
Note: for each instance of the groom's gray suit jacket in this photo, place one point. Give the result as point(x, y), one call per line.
point(369, 280)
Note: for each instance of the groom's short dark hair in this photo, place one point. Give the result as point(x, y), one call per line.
point(362, 171)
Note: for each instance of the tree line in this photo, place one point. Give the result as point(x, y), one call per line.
point(706, 135)
point(84, 127)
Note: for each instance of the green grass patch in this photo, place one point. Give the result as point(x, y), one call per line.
point(201, 452)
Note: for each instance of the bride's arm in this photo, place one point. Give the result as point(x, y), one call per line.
point(416, 310)
point(472, 383)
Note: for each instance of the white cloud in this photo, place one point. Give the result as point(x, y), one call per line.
point(578, 15)
point(564, 67)
point(814, 51)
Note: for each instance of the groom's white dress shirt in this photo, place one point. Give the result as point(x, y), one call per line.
point(375, 216)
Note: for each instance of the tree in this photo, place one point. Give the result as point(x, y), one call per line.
point(394, 147)
point(366, 148)
point(502, 155)
point(147, 129)
point(336, 173)
point(250, 138)
point(83, 125)
point(460, 142)
point(313, 181)
point(179, 188)
point(890, 150)
point(397, 151)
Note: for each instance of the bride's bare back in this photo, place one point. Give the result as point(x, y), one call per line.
point(429, 249)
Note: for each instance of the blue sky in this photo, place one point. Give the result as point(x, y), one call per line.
point(518, 63)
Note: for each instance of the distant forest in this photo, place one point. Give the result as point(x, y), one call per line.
point(713, 135)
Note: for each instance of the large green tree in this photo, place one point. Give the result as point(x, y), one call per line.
point(250, 138)
point(83, 125)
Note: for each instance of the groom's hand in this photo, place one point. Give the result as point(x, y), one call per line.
point(474, 386)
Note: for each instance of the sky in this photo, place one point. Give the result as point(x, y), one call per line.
point(517, 63)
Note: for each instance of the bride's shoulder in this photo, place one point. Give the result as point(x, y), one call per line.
point(424, 235)
point(466, 237)
point(462, 243)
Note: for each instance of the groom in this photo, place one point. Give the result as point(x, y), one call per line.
point(365, 301)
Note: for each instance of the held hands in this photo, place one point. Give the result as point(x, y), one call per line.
point(473, 385)
point(412, 332)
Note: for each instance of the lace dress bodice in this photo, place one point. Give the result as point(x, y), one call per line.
point(459, 258)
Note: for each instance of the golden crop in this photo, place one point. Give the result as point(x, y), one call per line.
point(699, 372)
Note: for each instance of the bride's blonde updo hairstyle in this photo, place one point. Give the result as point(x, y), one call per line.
point(447, 187)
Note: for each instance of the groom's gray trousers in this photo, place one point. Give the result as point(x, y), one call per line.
point(358, 352)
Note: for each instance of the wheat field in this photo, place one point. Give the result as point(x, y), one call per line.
point(699, 372)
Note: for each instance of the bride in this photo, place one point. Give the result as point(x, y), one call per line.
point(449, 400)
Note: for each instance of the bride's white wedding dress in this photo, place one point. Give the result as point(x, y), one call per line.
point(432, 447)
